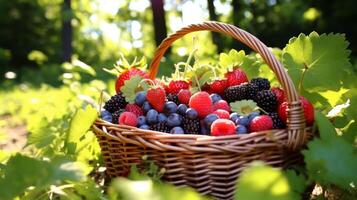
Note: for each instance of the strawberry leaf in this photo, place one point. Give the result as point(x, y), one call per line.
point(244, 107)
point(132, 86)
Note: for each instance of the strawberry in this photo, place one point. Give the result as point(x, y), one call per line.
point(126, 75)
point(133, 108)
point(206, 88)
point(218, 86)
point(128, 118)
point(236, 77)
point(176, 85)
point(279, 93)
point(184, 96)
point(261, 123)
point(308, 111)
point(221, 104)
point(156, 96)
point(222, 114)
point(222, 127)
point(202, 103)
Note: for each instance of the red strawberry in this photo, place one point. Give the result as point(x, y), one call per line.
point(221, 104)
point(236, 77)
point(218, 86)
point(184, 96)
point(308, 111)
point(261, 123)
point(223, 127)
point(126, 75)
point(176, 85)
point(133, 108)
point(222, 114)
point(206, 88)
point(279, 93)
point(128, 118)
point(202, 103)
point(156, 97)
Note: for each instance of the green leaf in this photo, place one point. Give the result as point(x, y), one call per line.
point(331, 161)
point(133, 86)
point(326, 129)
point(80, 66)
point(244, 107)
point(260, 181)
point(21, 172)
point(80, 124)
point(297, 182)
point(125, 189)
point(41, 135)
point(319, 58)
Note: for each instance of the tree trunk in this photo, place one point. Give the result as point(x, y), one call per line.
point(237, 15)
point(66, 31)
point(213, 17)
point(159, 21)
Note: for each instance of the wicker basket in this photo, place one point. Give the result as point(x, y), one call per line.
point(209, 164)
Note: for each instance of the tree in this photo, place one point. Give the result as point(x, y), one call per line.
point(213, 17)
point(66, 31)
point(159, 21)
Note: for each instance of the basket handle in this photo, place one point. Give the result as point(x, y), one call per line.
point(296, 120)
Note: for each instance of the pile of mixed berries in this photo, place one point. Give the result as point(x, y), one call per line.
point(224, 106)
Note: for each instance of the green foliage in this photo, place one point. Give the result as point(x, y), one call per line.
point(244, 107)
point(132, 86)
point(331, 160)
point(275, 184)
point(312, 56)
point(22, 171)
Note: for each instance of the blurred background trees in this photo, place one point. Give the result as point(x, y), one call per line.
point(38, 35)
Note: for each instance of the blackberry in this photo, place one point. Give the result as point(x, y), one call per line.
point(240, 92)
point(266, 100)
point(115, 103)
point(191, 126)
point(173, 98)
point(277, 122)
point(161, 127)
point(116, 115)
point(262, 83)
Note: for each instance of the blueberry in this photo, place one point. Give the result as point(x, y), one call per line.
point(253, 115)
point(209, 119)
point(177, 130)
point(107, 116)
point(170, 107)
point(161, 117)
point(151, 116)
point(234, 116)
point(181, 109)
point(191, 113)
point(173, 120)
point(205, 130)
point(215, 97)
point(241, 129)
point(146, 127)
point(242, 120)
point(146, 106)
point(141, 120)
point(140, 98)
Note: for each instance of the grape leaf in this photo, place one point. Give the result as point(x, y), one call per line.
point(264, 182)
point(323, 59)
point(21, 172)
point(332, 161)
point(132, 86)
point(41, 134)
point(80, 124)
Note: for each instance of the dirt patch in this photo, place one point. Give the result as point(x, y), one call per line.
point(14, 138)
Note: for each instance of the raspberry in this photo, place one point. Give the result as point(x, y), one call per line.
point(176, 85)
point(218, 86)
point(184, 96)
point(223, 127)
point(133, 108)
point(221, 104)
point(222, 114)
point(128, 118)
point(202, 103)
point(261, 123)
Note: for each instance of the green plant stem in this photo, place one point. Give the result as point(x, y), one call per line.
point(302, 78)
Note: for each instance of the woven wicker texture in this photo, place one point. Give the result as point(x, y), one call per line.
point(209, 164)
